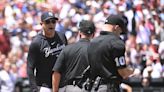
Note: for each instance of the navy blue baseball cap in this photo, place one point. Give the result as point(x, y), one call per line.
point(87, 27)
point(117, 20)
point(48, 15)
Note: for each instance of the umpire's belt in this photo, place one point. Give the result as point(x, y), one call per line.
point(73, 81)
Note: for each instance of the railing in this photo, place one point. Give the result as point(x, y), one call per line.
point(156, 85)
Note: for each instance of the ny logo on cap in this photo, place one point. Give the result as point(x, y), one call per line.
point(89, 32)
point(106, 20)
point(50, 14)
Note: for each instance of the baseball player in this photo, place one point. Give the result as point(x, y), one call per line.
point(43, 53)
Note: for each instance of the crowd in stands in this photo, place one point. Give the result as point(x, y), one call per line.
point(20, 22)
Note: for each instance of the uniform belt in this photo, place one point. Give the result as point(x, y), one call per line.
point(71, 82)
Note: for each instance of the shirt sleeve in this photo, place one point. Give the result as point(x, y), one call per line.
point(119, 54)
point(31, 63)
point(60, 63)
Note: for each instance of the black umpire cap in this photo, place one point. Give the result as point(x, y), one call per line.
point(117, 20)
point(48, 15)
point(87, 27)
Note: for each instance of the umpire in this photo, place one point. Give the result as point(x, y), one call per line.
point(106, 56)
point(72, 62)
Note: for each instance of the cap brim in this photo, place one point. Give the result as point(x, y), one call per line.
point(51, 18)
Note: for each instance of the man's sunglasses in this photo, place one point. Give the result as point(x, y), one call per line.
point(50, 21)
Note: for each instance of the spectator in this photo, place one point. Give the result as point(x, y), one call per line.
point(7, 78)
point(12, 12)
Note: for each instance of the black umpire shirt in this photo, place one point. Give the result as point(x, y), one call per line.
point(72, 61)
point(42, 55)
point(106, 55)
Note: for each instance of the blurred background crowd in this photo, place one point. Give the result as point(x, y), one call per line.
point(20, 22)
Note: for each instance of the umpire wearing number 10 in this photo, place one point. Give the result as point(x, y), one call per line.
point(73, 61)
point(106, 56)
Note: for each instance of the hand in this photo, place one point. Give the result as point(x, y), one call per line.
point(136, 72)
point(149, 69)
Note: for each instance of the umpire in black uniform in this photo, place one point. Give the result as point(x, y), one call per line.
point(73, 61)
point(106, 56)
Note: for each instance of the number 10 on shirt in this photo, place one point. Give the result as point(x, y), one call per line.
point(120, 61)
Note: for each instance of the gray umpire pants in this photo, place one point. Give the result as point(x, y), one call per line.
point(44, 89)
point(105, 88)
point(71, 88)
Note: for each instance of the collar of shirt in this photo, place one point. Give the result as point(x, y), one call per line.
point(84, 40)
point(105, 33)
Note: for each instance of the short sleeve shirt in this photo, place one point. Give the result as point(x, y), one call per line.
point(72, 61)
point(106, 55)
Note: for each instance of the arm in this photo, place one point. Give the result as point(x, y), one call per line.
point(31, 60)
point(125, 72)
point(55, 81)
point(122, 68)
point(57, 71)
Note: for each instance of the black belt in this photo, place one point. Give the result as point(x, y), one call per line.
point(73, 81)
